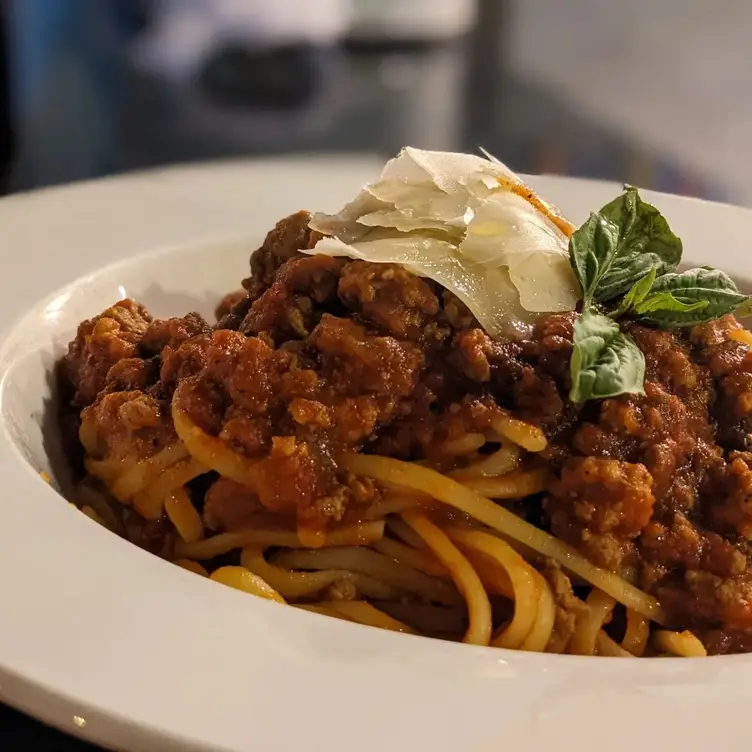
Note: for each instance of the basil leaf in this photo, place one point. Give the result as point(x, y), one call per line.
point(745, 309)
point(605, 361)
point(592, 250)
point(645, 239)
point(712, 289)
point(619, 245)
point(665, 301)
point(636, 295)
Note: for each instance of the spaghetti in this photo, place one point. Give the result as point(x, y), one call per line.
point(421, 556)
point(347, 440)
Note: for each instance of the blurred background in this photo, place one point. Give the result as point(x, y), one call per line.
point(651, 92)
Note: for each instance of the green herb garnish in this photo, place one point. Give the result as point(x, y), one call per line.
point(625, 257)
point(619, 245)
point(605, 361)
point(692, 297)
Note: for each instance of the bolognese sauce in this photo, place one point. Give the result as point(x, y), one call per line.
point(247, 433)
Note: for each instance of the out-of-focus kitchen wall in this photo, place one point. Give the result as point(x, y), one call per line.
point(671, 76)
point(640, 92)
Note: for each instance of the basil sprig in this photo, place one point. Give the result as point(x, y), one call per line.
point(625, 258)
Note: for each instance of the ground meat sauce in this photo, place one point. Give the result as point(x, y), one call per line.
point(317, 355)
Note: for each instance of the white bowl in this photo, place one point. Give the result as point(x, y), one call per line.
point(107, 642)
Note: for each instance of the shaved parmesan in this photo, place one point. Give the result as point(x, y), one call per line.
point(467, 223)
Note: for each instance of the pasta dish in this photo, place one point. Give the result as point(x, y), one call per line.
point(446, 411)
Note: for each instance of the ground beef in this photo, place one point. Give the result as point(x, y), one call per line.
point(99, 344)
point(691, 551)
point(730, 365)
point(228, 506)
point(172, 333)
point(293, 304)
point(389, 297)
point(354, 361)
point(177, 362)
point(233, 301)
point(283, 243)
point(319, 356)
point(600, 506)
point(132, 374)
point(127, 426)
point(732, 483)
point(569, 608)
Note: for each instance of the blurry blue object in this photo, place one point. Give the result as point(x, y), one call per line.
point(67, 63)
point(79, 65)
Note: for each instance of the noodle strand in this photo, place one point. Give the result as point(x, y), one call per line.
point(463, 574)
point(183, 515)
point(543, 626)
point(505, 522)
point(682, 644)
point(636, 634)
point(599, 609)
point(296, 585)
point(364, 613)
point(520, 575)
point(376, 565)
point(348, 535)
point(241, 579)
point(415, 558)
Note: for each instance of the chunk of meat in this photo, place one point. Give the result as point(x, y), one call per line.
point(229, 507)
point(389, 297)
point(257, 378)
point(730, 363)
point(670, 365)
point(233, 317)
point(672, 437)
point(532, 377)
point(725, 641)
point(132, 374)
point(291, 306)
point(172, 333)
point(701, 598)
point(356, 361)
point(230, 303)
point(289, 236)
point(472, 352)
point(678, 542)
point(552, 345)
point(715, 346)
point(290, 478)
point(600, 506)
point(731, 487)
point(180, 361)
point(99, 344)
point(126, 426)
point(247, 433)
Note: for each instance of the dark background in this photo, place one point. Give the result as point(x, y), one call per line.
point(77, 102)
